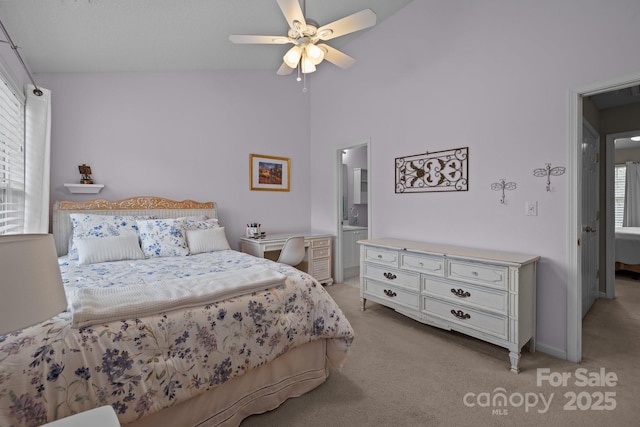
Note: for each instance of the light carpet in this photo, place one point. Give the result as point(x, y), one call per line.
point(403, 373)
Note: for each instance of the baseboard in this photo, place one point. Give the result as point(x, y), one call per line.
point(551, 351)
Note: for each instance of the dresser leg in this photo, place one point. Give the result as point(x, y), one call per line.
point(363, 302)
point(515, 361)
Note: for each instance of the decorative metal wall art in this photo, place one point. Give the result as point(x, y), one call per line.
point(437, 171)
point(548, 171)
point(503, 185)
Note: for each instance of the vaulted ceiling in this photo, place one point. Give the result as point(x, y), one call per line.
point(163, 35)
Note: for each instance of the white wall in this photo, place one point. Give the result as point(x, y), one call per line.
point(491, 75)
point(184, 136)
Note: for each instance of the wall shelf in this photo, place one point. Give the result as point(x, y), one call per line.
point(84, 188)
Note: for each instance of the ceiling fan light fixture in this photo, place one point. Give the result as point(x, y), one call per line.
point(314, 53)
point(292, 57)
point(307, 65)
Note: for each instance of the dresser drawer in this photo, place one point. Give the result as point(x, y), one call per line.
point(470, 272)
point(468, 295)
point(431, 265)
point(317, 243)
point(406, 279)
point(470, 318)
point(381, 256)
point(392, 294)
point(319, 253)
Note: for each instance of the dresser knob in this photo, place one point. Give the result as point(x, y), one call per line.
point(474, 273)
point(379, 256)
point(460, 314)
point(389, 293)
point(389, 276)
point(460, 293)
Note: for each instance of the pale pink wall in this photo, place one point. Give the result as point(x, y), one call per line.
point(184, 136)
point(493, 76)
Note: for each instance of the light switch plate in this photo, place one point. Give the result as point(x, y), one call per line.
point(531, 208)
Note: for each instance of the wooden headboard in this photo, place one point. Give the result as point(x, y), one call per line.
point(142, 205)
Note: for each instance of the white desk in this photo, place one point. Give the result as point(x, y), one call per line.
point(317, 261)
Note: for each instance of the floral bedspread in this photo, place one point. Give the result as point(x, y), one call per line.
point(139, 366)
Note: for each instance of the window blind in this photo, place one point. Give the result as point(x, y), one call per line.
point(620, 173)
point(12, 189)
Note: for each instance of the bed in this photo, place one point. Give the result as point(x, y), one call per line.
point(627, 249)
point(207, 362)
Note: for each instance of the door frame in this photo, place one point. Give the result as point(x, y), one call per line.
point(338, 264)
point(574, 214)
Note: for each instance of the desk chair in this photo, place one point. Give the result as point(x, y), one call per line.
point(292, 252)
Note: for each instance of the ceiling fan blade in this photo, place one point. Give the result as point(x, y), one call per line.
point(240, 39)
point(284, 70)
point(336, 57)
point(293, 14)
point(349, 24)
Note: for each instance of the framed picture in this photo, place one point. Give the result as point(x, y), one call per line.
point(269, 173)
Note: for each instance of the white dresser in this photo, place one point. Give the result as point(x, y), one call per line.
point(489, 295)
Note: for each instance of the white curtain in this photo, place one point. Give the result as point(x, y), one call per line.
point(37, 160)
point(631, 217)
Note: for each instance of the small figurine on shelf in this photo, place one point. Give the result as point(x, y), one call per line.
point(85, 172)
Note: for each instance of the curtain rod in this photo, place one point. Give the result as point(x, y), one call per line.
point(36, 91)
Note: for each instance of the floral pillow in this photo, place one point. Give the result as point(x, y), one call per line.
point(198, 223)
point(162, 237)
point(92, 225)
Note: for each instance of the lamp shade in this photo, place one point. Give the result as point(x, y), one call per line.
point(31, 289)
point(292, 57)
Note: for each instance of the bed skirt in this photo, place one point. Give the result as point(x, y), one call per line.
point(291, 375)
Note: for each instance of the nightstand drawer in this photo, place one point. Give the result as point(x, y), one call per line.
point(470, 295)
point(381, 256)
point(319, 253)
point(491, 275)
point(316, 243)
point(392, 294)
point(433, 266)
point(392, 276)
point(470, 318)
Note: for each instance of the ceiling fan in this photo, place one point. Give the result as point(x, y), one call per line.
point(307, 37)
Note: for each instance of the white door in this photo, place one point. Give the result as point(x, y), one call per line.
point(590, 216)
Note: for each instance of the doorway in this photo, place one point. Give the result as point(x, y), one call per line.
point(353, 213)
point(574, 211)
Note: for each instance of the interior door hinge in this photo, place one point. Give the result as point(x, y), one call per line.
point(597, 274)
point(597, 157)
point(597, 215)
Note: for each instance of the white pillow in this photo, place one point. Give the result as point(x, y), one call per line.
point(110, 248)
point(162, 237)
point(93, 225)
point(207, 240)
